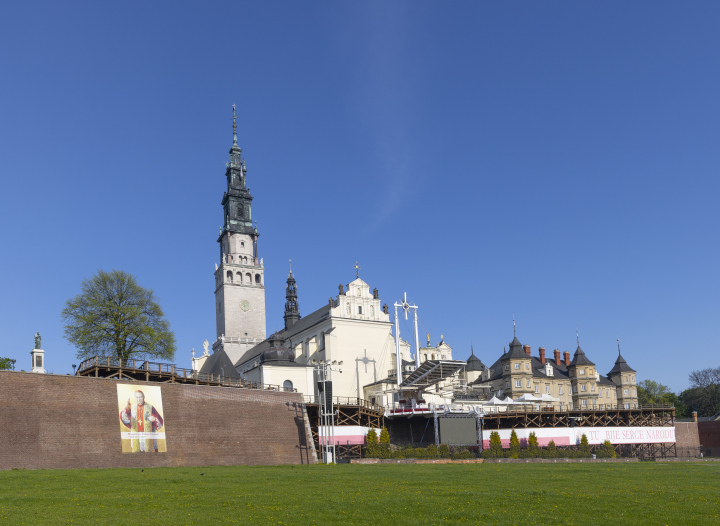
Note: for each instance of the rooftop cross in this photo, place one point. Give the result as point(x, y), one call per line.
point(618, 340)
point(357, 269)
point(514, 334)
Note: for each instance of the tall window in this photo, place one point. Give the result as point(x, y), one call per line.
point(518, 383)
point(583, 388)
point(582, 371)
point(547, 389)
point(626, 391)
point(560, 390)
point(517, 366)
point(537, 388)
point(584, 403)
point(528, 383)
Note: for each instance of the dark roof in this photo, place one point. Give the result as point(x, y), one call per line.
point(516, 350)
point(604, 380)
point(580, 358)
point(474, 363)
point(621, 366)
point(319, 315)
point(219, 363)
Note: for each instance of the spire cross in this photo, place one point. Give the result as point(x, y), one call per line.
point(357, 269)
point(618, 340)
point(514, 333)
point(290, 260)
point(577, 333)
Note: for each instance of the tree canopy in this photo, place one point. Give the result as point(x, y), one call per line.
point(6, 363)
point(114, 316)
point(704, 393)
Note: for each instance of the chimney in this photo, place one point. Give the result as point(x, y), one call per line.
point(566, 354)
point(542, 355)
point(527, 349)
point(694, 414)
point(557, 356)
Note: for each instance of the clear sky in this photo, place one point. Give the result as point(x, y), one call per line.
point(555, 160)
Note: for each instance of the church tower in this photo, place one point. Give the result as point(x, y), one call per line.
point(239, 279)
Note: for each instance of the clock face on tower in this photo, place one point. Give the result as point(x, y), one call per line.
point(245, 305)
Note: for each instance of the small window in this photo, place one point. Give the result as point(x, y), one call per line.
point(547, 389)
point(583, 388)
point(592, 387)
point(527, 366)
point(359, 310)
point(560, 390)
point(242, 243)
point(626, 391)
point(287, 385)
point(627, 406)
point(601, 406)
point(518, 383)
point(582, 371)
point(506, 367)
point(528, 383)
point(607, 393)
point(537, 388)
point(634, 393)
point(507, 384)
point(584, 403)
point(517, 366)
point(257, 279)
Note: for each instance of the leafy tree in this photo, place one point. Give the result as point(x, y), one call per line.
point(533, 450)
point(114, 316)
point(384, 443)
point(496, 449)
point(5, 363)
point(651, 392)
point(584, 451)
point(514, 451)
point(704, 393)
point(372, 449)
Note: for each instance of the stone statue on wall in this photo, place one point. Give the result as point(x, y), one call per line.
point(376, 296)
point(342, 290)
point(206, 346)
point(386, 310)
point(38, 341)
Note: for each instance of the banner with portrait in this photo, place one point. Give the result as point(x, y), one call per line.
point(141, 418)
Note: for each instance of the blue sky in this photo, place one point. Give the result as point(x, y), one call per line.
point(558, 161)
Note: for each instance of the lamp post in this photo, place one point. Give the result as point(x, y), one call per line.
point(323, 371)
point(73, 366)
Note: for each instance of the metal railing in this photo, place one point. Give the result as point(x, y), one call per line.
point(346, 400)
point(172, 370)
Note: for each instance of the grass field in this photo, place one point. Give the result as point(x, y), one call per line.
point(645, 493)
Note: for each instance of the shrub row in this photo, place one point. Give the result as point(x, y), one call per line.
point(606, 450)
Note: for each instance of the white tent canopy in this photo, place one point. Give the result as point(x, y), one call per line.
point(527, 397)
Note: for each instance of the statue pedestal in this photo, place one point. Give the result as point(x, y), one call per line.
point(38, 361)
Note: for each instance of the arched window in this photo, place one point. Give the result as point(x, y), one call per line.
point(433, 356)
point(248, 278)
point(287, 385)
point(229, 276)
point(257, 279)
point(239, 277)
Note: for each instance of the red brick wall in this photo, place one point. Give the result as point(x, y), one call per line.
point(686, 439)
point(709, 433)
point(53, 421)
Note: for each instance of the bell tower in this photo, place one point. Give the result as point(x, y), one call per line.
point(239, 278)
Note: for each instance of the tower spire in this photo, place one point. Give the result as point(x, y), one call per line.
point(234, 127)
point(292, 309)
point(514, 334)
point(618, 341)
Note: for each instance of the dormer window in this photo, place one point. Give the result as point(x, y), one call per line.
point(548, 369)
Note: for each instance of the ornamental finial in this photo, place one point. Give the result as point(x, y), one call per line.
point(234, 127)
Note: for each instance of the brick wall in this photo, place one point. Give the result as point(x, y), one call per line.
point(53, 421)
point(709, 432)
point(687, 441)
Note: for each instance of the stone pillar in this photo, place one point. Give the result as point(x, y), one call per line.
point(37, 356)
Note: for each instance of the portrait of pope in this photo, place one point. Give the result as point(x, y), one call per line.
point(141, 417)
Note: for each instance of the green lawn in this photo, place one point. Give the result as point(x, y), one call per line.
point(645, 493)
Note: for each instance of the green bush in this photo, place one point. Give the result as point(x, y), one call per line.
point(533, 449)
point(372, 449)
point(606, 450)
point(496, 445)
point(444, 451)
point(584, 451)
point(384, 443)
point(514, 451)
point(551, 450)
point(486, 453)
point(465, 453)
